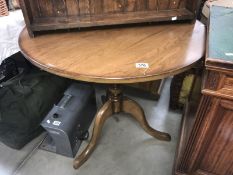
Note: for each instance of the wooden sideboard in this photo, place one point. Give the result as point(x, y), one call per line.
point(206, 141)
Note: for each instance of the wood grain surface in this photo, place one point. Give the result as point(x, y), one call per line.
point(110, 55)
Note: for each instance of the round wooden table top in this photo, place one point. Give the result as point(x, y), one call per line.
point(112, 55)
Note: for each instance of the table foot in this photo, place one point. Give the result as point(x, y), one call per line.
point(136, 111)
point(116, 103)
point(101, 116)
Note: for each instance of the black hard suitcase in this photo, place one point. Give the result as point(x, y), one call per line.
point(68, 122)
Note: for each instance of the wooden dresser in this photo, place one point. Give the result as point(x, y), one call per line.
point(43, 15)
point(206, 142)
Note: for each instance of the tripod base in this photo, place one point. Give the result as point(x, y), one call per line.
point(116, 103)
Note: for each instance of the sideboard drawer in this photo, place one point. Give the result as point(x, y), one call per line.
point(218, 84)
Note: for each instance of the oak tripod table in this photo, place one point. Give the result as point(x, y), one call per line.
point(114, 57)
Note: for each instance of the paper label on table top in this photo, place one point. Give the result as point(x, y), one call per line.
point(142, 65)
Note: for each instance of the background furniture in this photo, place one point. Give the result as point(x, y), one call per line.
point(206, 8)
point(117, 56)
point(150, 90)
point(184, 86)
point(206, 142)
point(3, 8)
point(58, 14)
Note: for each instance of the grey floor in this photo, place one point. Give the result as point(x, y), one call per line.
point(124, 148)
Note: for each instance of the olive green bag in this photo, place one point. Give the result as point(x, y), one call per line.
point(24, 102)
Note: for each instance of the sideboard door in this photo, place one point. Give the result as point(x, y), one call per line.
point(210, 146)
point(217, 156)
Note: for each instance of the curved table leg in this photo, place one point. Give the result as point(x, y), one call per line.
point(133, 108)
point(101, 116)
point(115, 104)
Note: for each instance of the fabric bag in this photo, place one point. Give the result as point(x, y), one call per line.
point(25, 100)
